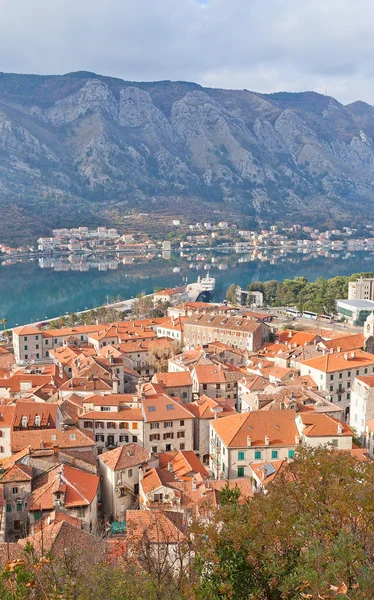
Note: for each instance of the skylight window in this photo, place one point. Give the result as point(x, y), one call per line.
point(152, 408)
point(170, 407)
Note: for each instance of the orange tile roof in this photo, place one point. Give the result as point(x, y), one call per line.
point(176, 379)
point(368, 380)
point(17, 473)
point(278, 425)
point(346, 343)
point(26, 330)
point(244, 485)
point(48, 438)
point(210, 374)
point(111, 399)
point(237, 323)
point(184, 463)
point(207, 408)
point(322, 425)
point(125, 457)
point(85, 384)
point(162, 407)
point(370, 424)
point(156, 478)
point(144, 526)
point(80, 488)
point(124, 414)
point(6, 416)
point(47, 412)
point(62, 536)
point(329, 363)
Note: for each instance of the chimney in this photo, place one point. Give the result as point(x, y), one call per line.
point(332, 350)
point(353, 354)
point(290, 334)
point(297, 440)
point(267, 440)
point(115, 386)
point(340, 429)
point(249, 442)
point(346, 356)
point(170, 467)
point(338, 349)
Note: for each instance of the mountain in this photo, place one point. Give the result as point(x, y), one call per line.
point(82, 148)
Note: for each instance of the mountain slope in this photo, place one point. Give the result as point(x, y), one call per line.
point(85, 148)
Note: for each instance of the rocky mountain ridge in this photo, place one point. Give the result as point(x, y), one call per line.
point(83, 144)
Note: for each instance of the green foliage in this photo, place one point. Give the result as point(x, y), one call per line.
point(317, 296)
point(231, 294)
point(311, 536)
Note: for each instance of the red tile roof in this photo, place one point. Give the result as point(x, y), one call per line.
point(125, 457)
point(48, 438)
point(278, 425)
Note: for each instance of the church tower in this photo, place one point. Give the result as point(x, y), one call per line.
point(369, 333)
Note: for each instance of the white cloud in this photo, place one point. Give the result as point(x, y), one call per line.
point(263, 45)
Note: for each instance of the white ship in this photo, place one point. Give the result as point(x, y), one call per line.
point(207, 283)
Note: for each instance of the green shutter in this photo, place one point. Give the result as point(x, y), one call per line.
point(257, 455)
point(240, 455)
point(240, 471)
point(9, 508)
point(274, 454)
point(291, 453)
point(36, 515)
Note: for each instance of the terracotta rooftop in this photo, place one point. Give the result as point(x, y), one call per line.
point(278, 425)
point(237, 323)
point(162, 407)
point(176, 379)
point(125, 457)
point(345, 344)
point(48, 438)
point(17, 473)
point(151, 526)
point(322, 425)
point(79, 487)
point(329, 363)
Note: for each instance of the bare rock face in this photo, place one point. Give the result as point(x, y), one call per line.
point(100, 141)
point(94, 96)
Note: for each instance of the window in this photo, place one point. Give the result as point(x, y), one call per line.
point(181, 423)
point(152, 408)
point(205, 387)
point(24, 420)
point(274, 454)
point(366, 371)
point(348, 396)
point(168, 447)
point(154, 436)
point(357, 371)
point(155, 425)
point(19, 506)
point(87, 424)
point(37, 355)
point(37, 421)
point(25, 348)
point(124, 438)
point(181, 446)
point(339, 397)
point(99, 437)
point(184, 395)
point(170, 407)
point(331, 388)
point(218, 386)
point(46, 342)
point(340, 375)
point(240, 455)
point(17, 524)
point(349, 373)
point(348, 384)
point(25, 338)
point(111, 425)
point(331, 377)
point(105, 408)
point(240, 471)
point(99, 425)
point(134, 439)
point(168, 436)
point(129, 474)
point(9, 507)
point(291, 453)
point(37, 346)
point(335, 442)
point(26, 356)
point(36, 515)
point(14, 490)
point(168, 424)
point(180, 434)
point(134, 426)
point(257, 455)
point(154, 449)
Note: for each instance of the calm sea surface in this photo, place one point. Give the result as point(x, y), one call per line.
point(29, 293)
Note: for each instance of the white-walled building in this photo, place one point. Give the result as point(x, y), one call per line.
point(362, 403)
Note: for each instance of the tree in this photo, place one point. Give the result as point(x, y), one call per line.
point(231, 294)
point(4, 321)
point(311, 536)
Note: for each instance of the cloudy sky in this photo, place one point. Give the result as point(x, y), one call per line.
point(262, 45)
